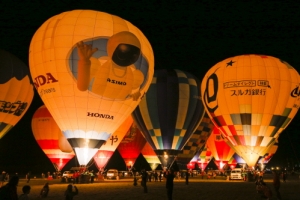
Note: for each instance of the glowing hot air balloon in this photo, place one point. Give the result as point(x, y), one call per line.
point(108, 148)
point(252, 99)
point(220, 150)
point(264, 160)
point(195, 143)
point(16, 91)
point(202, 157)
point(150, 156)
point(169, 113)
point(131, 146)
point(91, 69)
point(50, 138)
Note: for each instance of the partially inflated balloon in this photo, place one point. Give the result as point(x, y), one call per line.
point(16, 91)
point(150, 156)
point(108, 148)
point(195, 143)
point(131, 146)
point(90, 69)
point(252, 99)
point(50, 138)
point(264, 160)
point(202, 157)
point(170, 112)
point(221, 151)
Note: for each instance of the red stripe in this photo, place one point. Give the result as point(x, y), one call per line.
point(48, 144)
point(42, 112)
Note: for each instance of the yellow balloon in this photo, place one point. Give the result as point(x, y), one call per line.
point(251, 99)
point(91, 70)
point(16, 91)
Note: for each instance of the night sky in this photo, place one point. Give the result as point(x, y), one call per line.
point(188, 35)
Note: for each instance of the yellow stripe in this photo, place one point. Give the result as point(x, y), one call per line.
point(184, 94)
point(145, 113)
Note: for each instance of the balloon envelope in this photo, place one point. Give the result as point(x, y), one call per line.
point(47, 134)
point(150, 156)
point(221, 151)
point(16, 91)
point(203, 157)
point(170, 112)
point(91, 69)
point(131, 146)
point(252, 99)
point(195, 143)
point(108, 148)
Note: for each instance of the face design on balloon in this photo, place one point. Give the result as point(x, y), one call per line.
point(110, 67)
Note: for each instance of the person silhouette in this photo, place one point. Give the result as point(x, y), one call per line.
point(9, 191)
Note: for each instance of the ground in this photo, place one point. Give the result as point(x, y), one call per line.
point(123, 189)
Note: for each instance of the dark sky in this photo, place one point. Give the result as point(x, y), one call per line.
point(186, 35)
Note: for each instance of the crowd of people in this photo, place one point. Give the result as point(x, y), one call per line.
point(9, 190)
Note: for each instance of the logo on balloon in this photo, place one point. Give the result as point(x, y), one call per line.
point(295, 92)
point(210, 100)
point(44, 79)
point(15, 108)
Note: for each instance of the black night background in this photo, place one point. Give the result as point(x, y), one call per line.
point(188, 35)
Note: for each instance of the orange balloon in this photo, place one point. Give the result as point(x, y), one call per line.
point(48, 136)
point(251, 99)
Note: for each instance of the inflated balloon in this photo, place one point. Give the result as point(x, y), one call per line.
point(195, 143)
point(170, 112)
point(252, 99)
point(131, 146)
point(221, 151)
point(50, 138)
point(91, 69)
point(150, 156)
point(202, 158)
point(108, 148)
point(231, 163)
point(264, 160)
point(239, 160)
point(16, 91)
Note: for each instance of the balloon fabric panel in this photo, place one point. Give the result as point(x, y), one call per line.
point(16, 91)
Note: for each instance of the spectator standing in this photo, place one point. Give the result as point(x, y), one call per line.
point(28, 176)
point(276, 183)
point(92, 176)
point(187, 174)
point(144, 180)
point(170, 183)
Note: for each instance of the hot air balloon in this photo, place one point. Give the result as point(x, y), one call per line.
point(131, 146)
point(91, 69)
point(252, 99)
point(220, 150)
point(108, 148)
point(231, 163)
point(202, 157)
point(264, 160)
point(16, 91)
point(240, 161)
point(50, 138)
point(169, 113)
point(150, 156)
point(195, 143)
